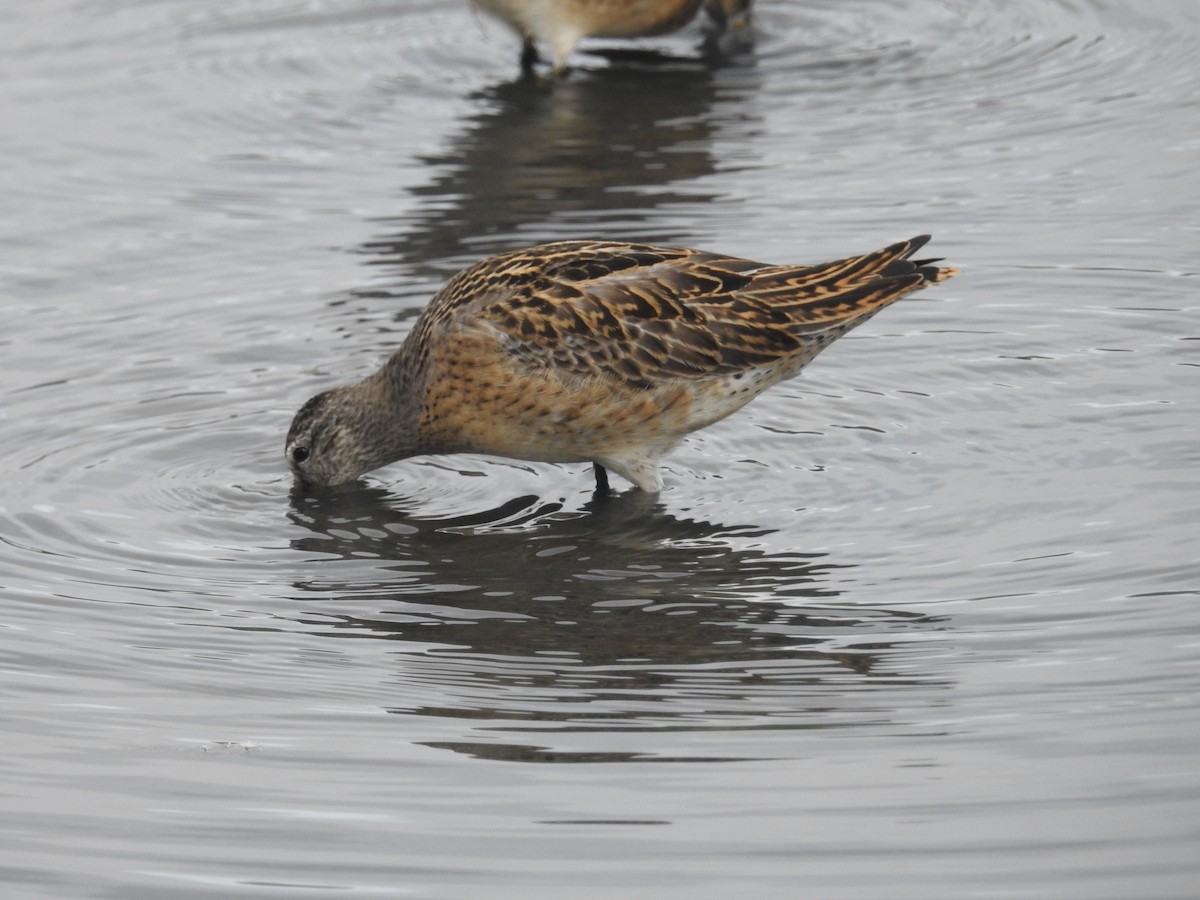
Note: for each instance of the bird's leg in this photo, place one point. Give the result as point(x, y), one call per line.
point(729, 27)
point(729, 15)
point(529, 56)
point(601, 478)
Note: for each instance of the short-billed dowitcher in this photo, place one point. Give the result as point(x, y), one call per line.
point(563, 23)
point(593, 351)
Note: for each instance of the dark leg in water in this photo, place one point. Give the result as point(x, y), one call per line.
point(601, 478)
point(529, 56)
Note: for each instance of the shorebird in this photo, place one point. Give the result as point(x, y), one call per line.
point(593, 351)
point(563, 23)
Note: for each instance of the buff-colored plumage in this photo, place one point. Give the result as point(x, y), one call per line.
point(593, 351)
point(561, 24)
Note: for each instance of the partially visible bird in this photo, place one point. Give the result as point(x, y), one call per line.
point(593, 351)
point(563, 23)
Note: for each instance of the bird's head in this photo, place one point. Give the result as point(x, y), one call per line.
point(343, 433)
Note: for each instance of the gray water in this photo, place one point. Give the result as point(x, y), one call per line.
point(924, 623)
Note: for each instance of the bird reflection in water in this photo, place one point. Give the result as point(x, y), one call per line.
point(536, 616)
point(599, 156)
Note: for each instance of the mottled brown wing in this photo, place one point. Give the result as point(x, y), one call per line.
point(642, 314)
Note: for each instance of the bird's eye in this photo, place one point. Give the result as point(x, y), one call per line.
point(299, 454)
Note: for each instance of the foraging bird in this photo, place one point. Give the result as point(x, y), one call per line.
point(593, 351)
point(563, 23)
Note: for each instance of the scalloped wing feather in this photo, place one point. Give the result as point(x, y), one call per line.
point(640, 314)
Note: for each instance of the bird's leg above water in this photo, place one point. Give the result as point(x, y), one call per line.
point(729, 15)
point(601, 478)
point(529, 56)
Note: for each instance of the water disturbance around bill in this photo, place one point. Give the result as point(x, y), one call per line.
point(921, 623)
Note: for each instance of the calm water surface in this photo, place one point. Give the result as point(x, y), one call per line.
point(923, 623)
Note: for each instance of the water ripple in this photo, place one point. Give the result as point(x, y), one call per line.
point(951, 570)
